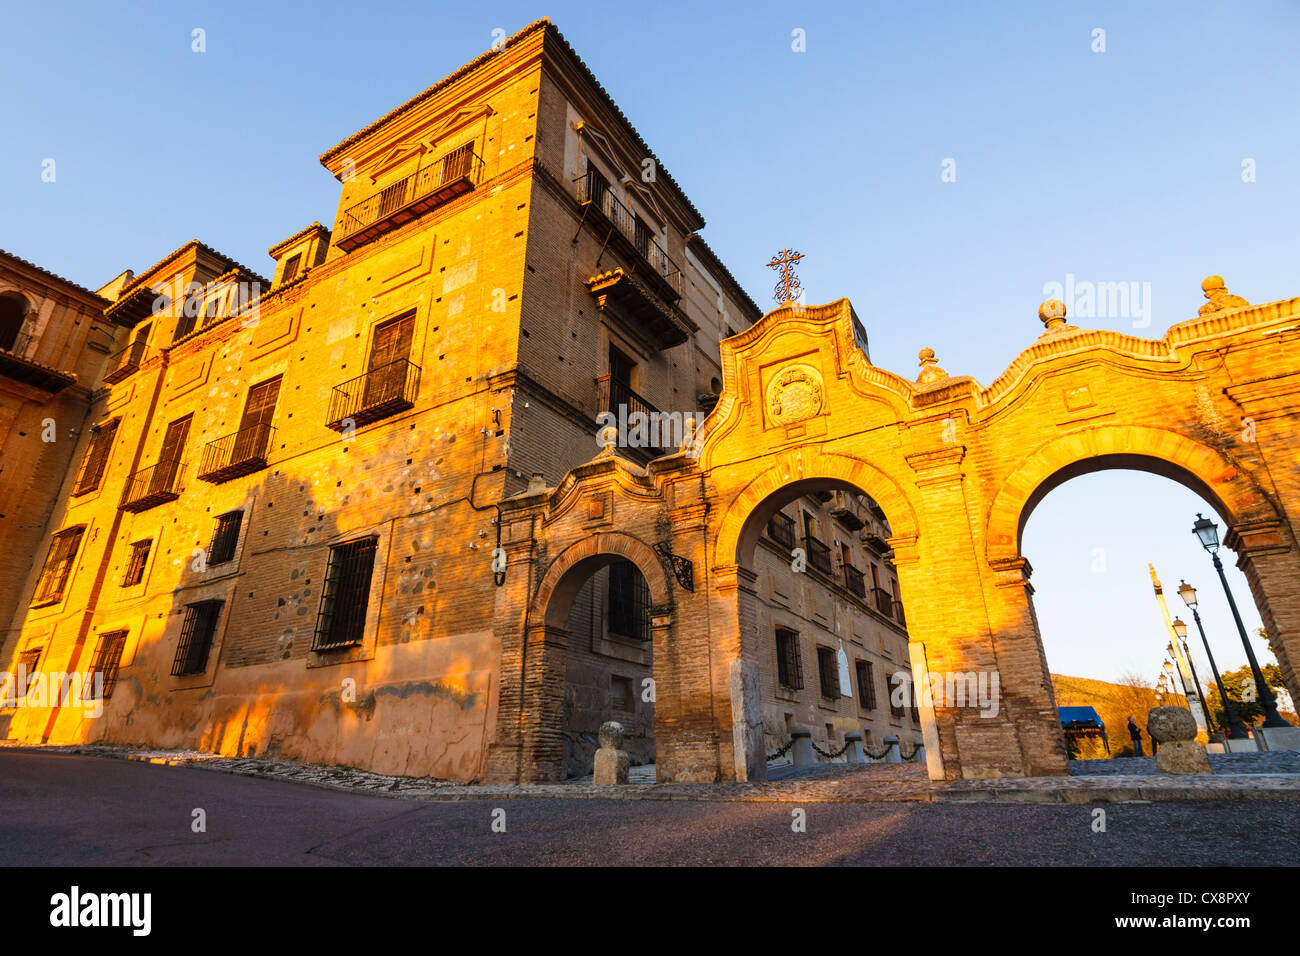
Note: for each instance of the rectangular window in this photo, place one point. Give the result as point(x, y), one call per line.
point(107, 658)
point(345, 595)
point(136, 564)
point(96, 460)
point(894, 687)
point(197, 632)
point(620, 692)
point(629, 601)
point(167, 472)
point(225, 537)
point(866, 685)
point(829, 671)
point(255, 427)
point(28, 662)
point(789, 667)
point(390, 354)
point(291, 268)
point(58, 566)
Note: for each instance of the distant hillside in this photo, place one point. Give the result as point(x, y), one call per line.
point(1114, 702)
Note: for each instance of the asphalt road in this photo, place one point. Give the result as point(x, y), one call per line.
point(58, 809)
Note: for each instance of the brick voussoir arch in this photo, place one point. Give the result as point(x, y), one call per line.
point(605, 543)
point(1227, 487)
point(788, 468)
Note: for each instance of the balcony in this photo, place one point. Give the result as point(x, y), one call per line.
point(855, 581)
point(241, 453)
point(780, 528)
point(883, 600)
point(381, 392)
point(125, 362)
point(617, 397)
point(819, 555)
point(602, 208)
point(849, 510)
point(153, 486)
point(399, 203)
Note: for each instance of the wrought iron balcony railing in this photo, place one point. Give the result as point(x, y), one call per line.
point(398, 203)
point(883, 600)
point(855, 581)
point(126, 361)
point(780, 528)
point(381, 392)
point(819, 554)
point(153, 486)
point(240, 453)
point(595, 194)
point(617, 397)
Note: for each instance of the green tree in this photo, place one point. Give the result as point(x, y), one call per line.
point(1240, 685)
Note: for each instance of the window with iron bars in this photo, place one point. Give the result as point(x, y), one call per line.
point(629, 601)
point(27, 663)
point(895, 685)
point(789, 667)
point(58, 566)
point(225, 537)
point(197, 632)
point(345, 595)
point(138, 561)
point(96, 460)
point(828, 670)
point(107, 658)
point(866, 685)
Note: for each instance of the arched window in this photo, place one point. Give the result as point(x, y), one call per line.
point(13, 312)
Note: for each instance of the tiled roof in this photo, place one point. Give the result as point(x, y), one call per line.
point(68, 282)
point(542, 24)
point(176, 252)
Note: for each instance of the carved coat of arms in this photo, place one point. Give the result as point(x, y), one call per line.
point(795, 394)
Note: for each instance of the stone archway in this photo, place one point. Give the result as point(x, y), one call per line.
point(534, 730)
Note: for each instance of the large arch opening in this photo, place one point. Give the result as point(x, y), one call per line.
point(600, 615)
point(13, 313)
point(825, 614)
point(1099, 534)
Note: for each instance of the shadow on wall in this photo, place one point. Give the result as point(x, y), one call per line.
point(220, 658)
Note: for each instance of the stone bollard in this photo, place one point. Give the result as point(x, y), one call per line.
point(612, 761)
point(1174, 728)
point(802, 751)
point(853, 748)
point(892, 754)
point(920, 755)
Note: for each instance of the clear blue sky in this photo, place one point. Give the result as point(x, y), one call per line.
point(1121, 166)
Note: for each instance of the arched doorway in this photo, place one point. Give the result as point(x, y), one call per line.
point(577, 669)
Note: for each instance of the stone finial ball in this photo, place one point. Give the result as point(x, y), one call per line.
point(925, 355)
point(1168, 724)
point(1051, 310)
point(611, 735)
point(1212, 284)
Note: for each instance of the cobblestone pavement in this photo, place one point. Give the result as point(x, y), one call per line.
point(1277, 761)
point(826, 783)
point(62, 808)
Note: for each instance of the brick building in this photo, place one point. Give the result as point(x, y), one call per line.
point(276, 526)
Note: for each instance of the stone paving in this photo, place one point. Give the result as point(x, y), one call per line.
point(1238, 777)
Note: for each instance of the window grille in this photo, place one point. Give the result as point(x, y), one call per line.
point(829, 672)
point(58, 566)
point(225, 538)
point(866, 685)
point(107, 658)
point(197, 631)
point(96, 460)
point(789, 668)
point(137, 563)
point(629, 601)
point(345, 595)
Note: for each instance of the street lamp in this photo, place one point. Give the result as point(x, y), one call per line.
point(1169, 672)
point(1233, 728)
point(1180, 629)
point(1208, 532)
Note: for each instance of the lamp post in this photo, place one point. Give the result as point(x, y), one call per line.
point(1208, 532)
point(1233, 728)
point(1180, 629)
point(1169, 673)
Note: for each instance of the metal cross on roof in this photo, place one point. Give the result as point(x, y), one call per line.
point(788, 288)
